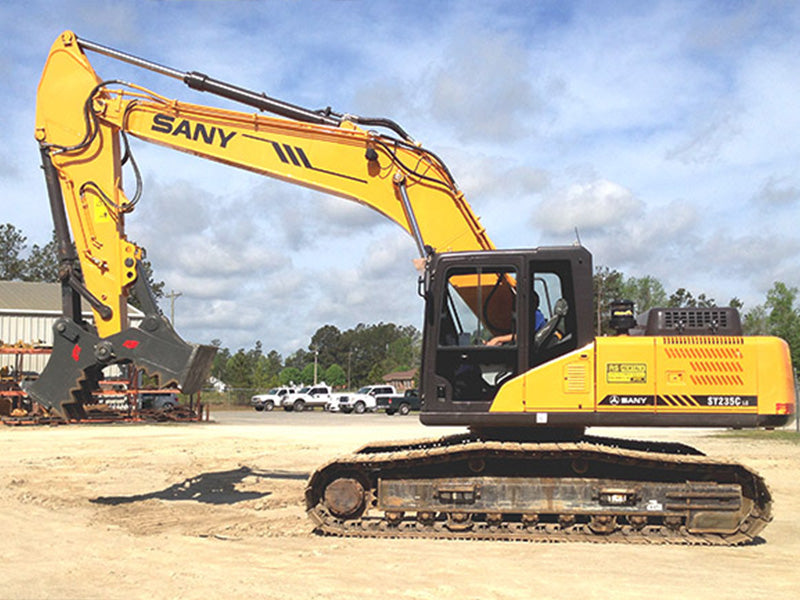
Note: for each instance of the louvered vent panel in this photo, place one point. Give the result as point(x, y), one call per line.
point(576, 378)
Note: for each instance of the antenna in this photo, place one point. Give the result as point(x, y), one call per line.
point(578, 237)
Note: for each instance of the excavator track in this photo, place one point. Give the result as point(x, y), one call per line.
point(598, 490)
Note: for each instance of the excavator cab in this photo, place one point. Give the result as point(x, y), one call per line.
point(482, 328)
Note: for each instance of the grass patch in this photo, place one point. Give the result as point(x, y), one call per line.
point(775, 435)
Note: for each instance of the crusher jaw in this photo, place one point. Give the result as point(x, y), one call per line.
point(79, 356)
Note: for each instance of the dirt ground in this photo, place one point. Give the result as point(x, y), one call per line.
point(215, 511)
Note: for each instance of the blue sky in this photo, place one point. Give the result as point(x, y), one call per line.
point(667, 133)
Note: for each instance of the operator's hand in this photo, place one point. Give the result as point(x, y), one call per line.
point(500, 339)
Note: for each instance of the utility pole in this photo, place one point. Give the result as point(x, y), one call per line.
point(172, 296)
point(349, 357)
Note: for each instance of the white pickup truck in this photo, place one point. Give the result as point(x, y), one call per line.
point(271, 399)
point(307, 397)
point(364, 399)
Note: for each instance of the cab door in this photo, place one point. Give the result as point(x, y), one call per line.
point(477, 346)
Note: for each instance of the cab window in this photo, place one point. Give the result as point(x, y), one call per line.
point(479, 305)
point(554, 332)
point(478, 346)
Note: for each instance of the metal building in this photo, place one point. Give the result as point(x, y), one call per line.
point(27, 313)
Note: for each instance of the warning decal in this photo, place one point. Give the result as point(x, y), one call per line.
point(626, 373)
point(101, 214)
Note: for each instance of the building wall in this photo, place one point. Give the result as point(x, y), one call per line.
point(401, 380)
point(32, 329)
point(28, 329)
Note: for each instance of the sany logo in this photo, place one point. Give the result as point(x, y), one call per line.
point(191, 131)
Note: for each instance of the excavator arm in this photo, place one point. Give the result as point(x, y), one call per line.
point(83, 123)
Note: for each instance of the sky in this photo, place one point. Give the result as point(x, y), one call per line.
point(664, 135)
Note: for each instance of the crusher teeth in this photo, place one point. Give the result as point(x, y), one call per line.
point(596, 490)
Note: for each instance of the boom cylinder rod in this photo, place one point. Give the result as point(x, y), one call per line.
point(400, 182)
point(70, 300)
point(129, 58)
point(204, 83)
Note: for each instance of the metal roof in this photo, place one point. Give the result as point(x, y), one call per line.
point(26, 297)
point(30, 297)
point(399, 375)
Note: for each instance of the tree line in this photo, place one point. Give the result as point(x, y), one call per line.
point(18, 263)
point(40, 263)
point(342, 359)
point(364, 354)
point(351, 358)
point(778, 316)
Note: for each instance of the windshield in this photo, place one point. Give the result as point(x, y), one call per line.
point(304, 390)
point(273, 391)
point(480, 305)
point(364, 390)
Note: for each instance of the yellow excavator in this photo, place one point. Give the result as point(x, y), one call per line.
point(509, 354)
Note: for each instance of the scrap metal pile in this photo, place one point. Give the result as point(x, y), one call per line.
point(117, 400)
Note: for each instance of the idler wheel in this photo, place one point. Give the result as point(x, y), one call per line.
point(580, 466)
point(344, 497)
point(476, 464)
point(566, 521)
point(394, 517)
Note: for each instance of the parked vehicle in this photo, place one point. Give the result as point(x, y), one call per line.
point(116, 394)
point(158, 399)
point(307, 397)
point(335, 403)
point(271, 399)
point(399, 403)
point(364, 399)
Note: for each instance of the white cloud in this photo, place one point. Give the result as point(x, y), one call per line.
point(476, 87)
point(486, 178)
point(8, 168)
point(383, 282)
point(587, 207)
